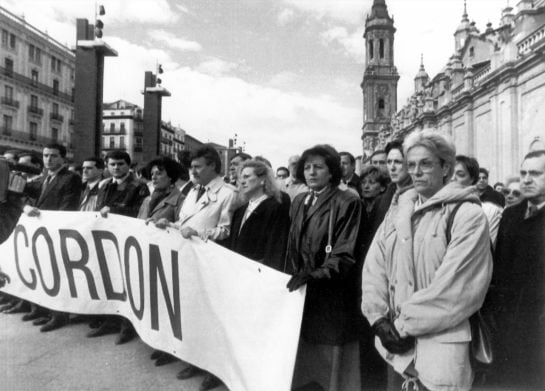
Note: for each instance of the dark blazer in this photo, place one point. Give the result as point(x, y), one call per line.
point(332, 314)
point(124, 199)
point(264, 235)
point(62, 192)
point(355, 183)
point(166, 208)
point(516, 299)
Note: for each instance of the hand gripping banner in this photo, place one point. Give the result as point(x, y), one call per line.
point(198, 301)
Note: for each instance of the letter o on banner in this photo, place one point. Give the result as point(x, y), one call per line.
point(132, 243)
point(42, 232)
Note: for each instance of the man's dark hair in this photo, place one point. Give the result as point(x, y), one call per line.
point(59, 147)
point(472, 166)
point(484, 171)
point(394, 144)
point(119, 155)
point(534, 154)
point(331, 158)
point(210, 155)
point(350, 157)
point(242, 155)
point(283, 168)
point(378, 152)
point(170, 166)
point(99, 163)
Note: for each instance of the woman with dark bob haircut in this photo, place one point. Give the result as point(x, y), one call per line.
point(162, 207)
point(320, 255)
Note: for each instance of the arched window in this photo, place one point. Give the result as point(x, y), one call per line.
point(371, 49)
point(381, 48)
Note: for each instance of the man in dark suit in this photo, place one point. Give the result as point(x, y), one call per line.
point(59, 189)
point(486, 192)
point(122, 194)
point(349, 176)
point(517, 293)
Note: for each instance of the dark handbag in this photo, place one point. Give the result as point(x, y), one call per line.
point(481, 339)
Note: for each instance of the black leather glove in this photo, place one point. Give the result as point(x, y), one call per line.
point(298, 281)
point(390, 338)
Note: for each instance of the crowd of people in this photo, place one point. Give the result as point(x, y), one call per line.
point(396, 260)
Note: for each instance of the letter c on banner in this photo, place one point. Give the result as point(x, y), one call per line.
point(20, 229)
point(54, 290)
point(132, 243)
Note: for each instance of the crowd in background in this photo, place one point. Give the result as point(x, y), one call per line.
point(397, 259)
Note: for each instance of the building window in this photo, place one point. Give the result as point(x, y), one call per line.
point(54, 134)
point(5, 38)
point(55, 109)
point(103, 141)
point(33, 131)
point(7, 125)
point(122, 127)
point(34, 54)
point(371, 49)
point(122, 142)
point(381, 48)
point(33, 102)
point(34, 75)
point(112, 128)
point(55, 87)
point(8, 93)
point(12, 41)
point(471, 51)
point(112, 142)
point(55, 64)
point(8, 63)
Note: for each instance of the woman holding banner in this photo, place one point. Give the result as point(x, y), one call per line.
point(259, 229)
point(320, 254)
point(161, 208)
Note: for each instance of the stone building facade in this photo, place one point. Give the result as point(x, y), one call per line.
point(36, 85)
point(490, 96)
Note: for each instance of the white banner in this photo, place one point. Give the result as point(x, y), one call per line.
point(198, 301)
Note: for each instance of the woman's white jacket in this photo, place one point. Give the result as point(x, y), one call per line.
point(430, 287)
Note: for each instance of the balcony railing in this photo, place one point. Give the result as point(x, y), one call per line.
point(137, 149)
point(113, 132)
point(25, 137)
point(6, 131)
point(10, 102)
point(40, 86)
point(35, 110)
point(56, 117)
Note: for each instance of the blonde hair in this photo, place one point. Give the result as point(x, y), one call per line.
point(264, 172)
point(437, 144)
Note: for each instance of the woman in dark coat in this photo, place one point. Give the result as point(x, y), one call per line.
point(259, 228)
point(332, 320)
point(161, 208)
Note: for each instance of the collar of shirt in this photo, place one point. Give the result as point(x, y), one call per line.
point(91, 185)
point(53, 174)
point(538, 208)
point(253, 204)
point(316, 195)
point(121, 180)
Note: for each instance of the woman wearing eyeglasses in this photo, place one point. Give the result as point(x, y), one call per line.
point(466, 173)
point(511, 192)
point(419, 286)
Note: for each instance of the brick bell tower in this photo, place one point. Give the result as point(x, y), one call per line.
point(379, 85)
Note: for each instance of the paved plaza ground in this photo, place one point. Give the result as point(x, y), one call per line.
point(65, 359)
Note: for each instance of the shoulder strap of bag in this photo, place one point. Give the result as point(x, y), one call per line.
point(328, 248)
point(450, 221)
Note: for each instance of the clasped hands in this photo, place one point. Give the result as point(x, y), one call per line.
point(390, 338)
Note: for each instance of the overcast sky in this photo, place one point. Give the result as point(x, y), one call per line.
point(283, 75)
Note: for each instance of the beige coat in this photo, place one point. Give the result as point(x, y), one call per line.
point(428, 288)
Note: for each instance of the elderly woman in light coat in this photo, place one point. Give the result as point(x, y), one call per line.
point(419, 287)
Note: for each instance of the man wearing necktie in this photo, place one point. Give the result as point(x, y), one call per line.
point(121, 194)
point(60, 189)
point(92, 175)
point(206, 213)
point(517, 293)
